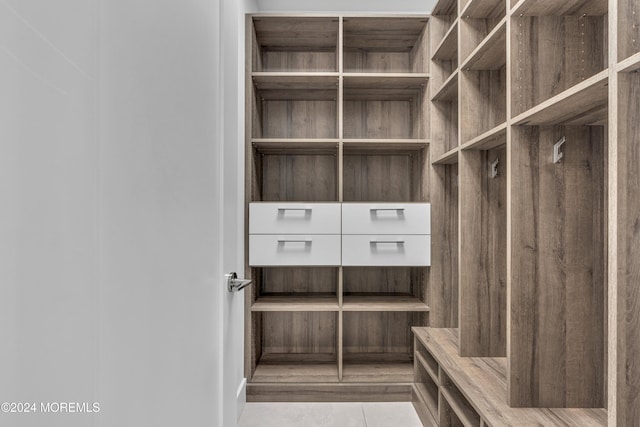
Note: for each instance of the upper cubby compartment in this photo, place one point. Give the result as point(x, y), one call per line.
point(385, 45)
point(443, 41)
point(559, 8)
point(385, 108)
point(552, 54)
point(482, 23)
point(628, 28)
point(295, 44)
point(295, 106)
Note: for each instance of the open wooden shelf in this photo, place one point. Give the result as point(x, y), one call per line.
point(488, 140)
point(410, 81)
point(377, 368)
point(584, 103)
point(296, 368)
point(383, 303)
point(299, 303)
point(299, 145)
point(430, 368)
point(483, 8)
point(285, 43)
point(465, 413)
point(558, 8)
point(482, 383)
point(387, 145)
point(448, 47)
point(385, 44)
point(491, 53)
point(448, 91)
point(448, 158)
point(630, 64)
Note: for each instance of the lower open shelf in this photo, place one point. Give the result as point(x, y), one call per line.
point(377, 368)
point(297, 368)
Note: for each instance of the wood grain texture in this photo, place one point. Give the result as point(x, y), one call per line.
point(559, 8)
point(298, 281)
point(398, 281)
point(296, 33)
point(343, 392)
point(292, 118)
point(557, 269)
point(475, 32)
point(380, 332)
point(297, 368)
point(378, 368)
point(299, 332)
point(383, 303)
point(299, 177)
point(625, 286)
point(422, 410)
point(628, 28)
point(443, 280)
point(544, 54)
point(483, 255)
point(482, 381)
point(483, 102)
point(490, 53)
point(484, 9)
point(384, 177)
point(298, 303)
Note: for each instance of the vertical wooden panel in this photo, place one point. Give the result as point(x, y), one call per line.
point(483, 240)
point(625, 286)
point(443, 281)
point(483, 102)
point(556, 352)
point(299, 177)
point(299, 332)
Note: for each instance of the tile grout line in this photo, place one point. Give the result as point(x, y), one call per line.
point(364, 415)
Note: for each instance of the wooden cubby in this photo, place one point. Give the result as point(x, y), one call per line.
point(378, 346)
point(337, 111)
point(389, 107)
point(385, 45)
point(628, 29)
point(290, 44)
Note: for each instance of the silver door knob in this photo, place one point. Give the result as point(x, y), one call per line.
point(234, 284)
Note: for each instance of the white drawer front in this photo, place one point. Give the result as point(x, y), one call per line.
point(294, 250)
point(386, 218)
point(386, 250)
point(294, 218)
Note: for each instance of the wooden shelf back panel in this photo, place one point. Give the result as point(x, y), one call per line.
point(483, 253)
point(298, 177)
point(483, 101)
point(295, 43)
point(557, 268)
point(546, 51)
point(384, 177)
point(484, 8)
point(384, 44)
point(628, 28)
point(380, 332)
point(299, 332)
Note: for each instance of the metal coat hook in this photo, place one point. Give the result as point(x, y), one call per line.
point(494, 168)
point(557, 154)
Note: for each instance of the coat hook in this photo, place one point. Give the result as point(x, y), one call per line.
point(557, 154)
point(494, 168)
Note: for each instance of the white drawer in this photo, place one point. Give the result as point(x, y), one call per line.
point(294, 218)
point(294, 250)
point(386, 250)
point(386, 218)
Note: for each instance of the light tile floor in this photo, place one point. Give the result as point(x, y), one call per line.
point(399, 414)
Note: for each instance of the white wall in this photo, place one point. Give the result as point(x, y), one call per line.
point(48, 206)
point(160, 241)
point(232, 138)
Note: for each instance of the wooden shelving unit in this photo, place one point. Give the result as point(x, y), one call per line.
point(337, 111)
point(521, 239)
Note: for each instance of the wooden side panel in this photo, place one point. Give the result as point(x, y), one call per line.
point(557, 282)
point(443, 282)
point(483, 254)
point(625, 288)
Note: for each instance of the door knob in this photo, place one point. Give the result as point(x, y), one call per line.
point(234, 284)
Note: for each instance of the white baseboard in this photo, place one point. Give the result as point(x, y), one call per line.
point(241, 398)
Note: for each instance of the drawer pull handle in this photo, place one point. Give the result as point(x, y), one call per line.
point(295, 209)
point(294, 240)
point(397, 242)
point(386, 209)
